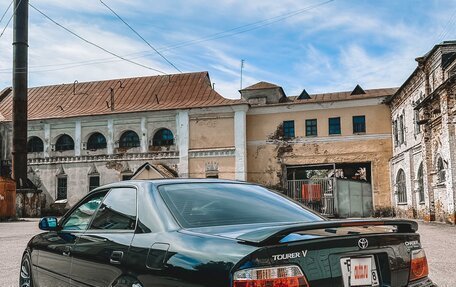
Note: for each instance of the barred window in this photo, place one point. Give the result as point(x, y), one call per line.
point(64, 142)
point(396, 133)
point(129, 139)
point(35, 144)
point(401, 187)
point(96, 141)
point(62, 187)
point(421, 183)
point(163, 137)
point(441, 176)
point(94, 182)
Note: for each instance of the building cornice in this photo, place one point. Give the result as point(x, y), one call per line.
point(294, 107)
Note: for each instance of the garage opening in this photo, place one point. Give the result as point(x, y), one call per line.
point(335, 190)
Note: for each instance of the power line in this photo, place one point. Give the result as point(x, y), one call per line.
point(9, 20)
point(222, 34)
point(93, 44)
point(141, 37)
point(253, 26)
point(6, 11)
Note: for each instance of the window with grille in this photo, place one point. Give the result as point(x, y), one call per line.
point(401, 130)
point(96, 141)
point(396, 133)
point(65, 142)
point(311, 127)
point(401, 187)
point(35, 144)
point(359, 124)
point(163, 137)
point(61, 187)
point(129, 139)
point(421, 183)
point(334, 126)
point(441, 176)
point(417, 118)
point(94, 182)
point(288, 129)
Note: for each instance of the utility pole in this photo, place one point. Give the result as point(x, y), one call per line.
point(20, 74)
point(242, 68)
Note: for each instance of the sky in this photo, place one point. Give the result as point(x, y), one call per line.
point(317, 45)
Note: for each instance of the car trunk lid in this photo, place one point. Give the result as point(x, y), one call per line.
point(321, 248)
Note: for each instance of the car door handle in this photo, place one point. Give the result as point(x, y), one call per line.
point(66, 251)
point(116, 257)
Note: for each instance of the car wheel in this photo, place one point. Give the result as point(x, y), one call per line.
point(25, 276)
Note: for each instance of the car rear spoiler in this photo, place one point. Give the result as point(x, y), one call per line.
point(273, 234)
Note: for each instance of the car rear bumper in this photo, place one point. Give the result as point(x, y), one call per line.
point(422, 283)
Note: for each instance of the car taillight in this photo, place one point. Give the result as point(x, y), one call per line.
point(418, 266)
point(282, 276)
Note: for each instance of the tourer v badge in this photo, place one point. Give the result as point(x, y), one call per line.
point(290, 255)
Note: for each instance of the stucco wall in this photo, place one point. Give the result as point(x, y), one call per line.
point(78, 176)
point(225, 166)
point(211, 132)
point(266, 161)
point(261, 126)
point(268, 155)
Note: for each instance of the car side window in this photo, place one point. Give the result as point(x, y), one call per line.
point(117, 211)
point(80, 218)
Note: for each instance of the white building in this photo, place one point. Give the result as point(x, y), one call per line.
point(83, 135)
point(423, 163)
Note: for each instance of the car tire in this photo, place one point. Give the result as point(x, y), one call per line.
point(25, 274)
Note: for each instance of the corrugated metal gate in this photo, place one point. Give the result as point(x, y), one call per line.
point(315, 193)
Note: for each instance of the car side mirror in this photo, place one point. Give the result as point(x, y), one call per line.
point(48, 223)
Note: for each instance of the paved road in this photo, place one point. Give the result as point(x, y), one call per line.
point(439, 241)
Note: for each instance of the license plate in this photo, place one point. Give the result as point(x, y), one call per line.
point(359, 271)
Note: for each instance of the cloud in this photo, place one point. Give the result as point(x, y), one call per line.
point(330, 48)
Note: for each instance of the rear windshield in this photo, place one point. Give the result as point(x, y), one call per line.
point(217, 204)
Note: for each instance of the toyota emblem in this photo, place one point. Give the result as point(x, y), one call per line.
point(363, 243)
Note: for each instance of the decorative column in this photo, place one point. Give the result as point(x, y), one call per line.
point(240, 142)
point(47, 140)
point(182, 138)
point(144, 136)
point(77, 138)
point(110, 139)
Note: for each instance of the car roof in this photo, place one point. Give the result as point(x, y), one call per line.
point(158, 182)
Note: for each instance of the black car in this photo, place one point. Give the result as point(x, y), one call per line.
point(215, 233)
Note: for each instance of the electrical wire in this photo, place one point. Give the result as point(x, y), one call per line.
point(9, 20)
point(141, 37)
point(93, 44)
point(222, 34)
point(6, 11)
point(253, 26)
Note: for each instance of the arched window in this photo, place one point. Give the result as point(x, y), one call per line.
point(441, 176)
point(64, 142)
point(401, 187)
point(129, 139)
point(421, 183)
point(35, 144)
point(96, 141)
point(163, 137)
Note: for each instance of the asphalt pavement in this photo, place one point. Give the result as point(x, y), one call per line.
point(439, 241)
